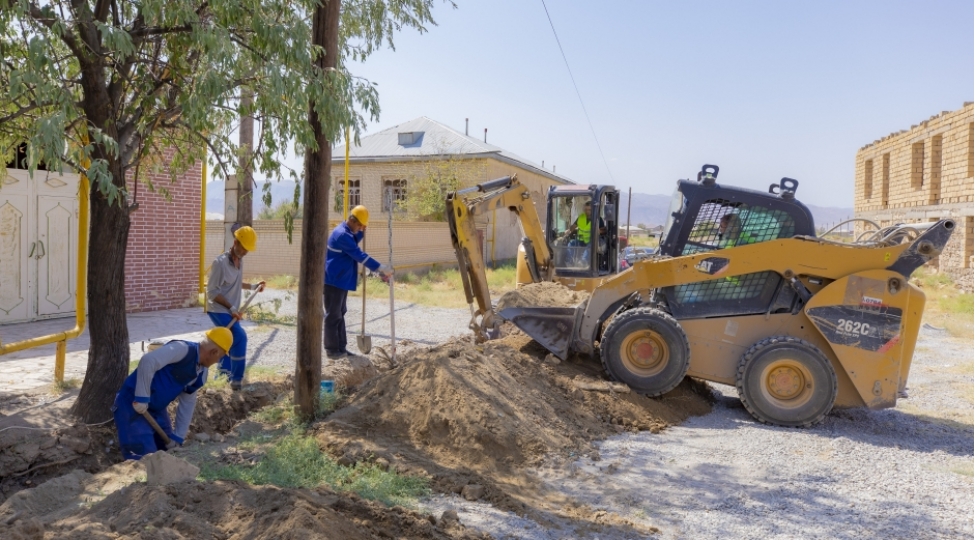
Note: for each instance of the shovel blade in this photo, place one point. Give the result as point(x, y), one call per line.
point(364, 343)
point(551, 327)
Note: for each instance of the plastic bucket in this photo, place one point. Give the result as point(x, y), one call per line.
point(328, 386)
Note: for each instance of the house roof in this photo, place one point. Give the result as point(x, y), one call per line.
point(426, 138)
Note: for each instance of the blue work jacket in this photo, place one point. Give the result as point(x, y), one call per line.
point(342, 256)
point(169, 382)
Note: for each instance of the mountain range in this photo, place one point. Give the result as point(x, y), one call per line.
point(649, 210)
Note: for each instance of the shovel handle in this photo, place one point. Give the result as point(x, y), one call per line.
point(159, 431)
point(243, 307)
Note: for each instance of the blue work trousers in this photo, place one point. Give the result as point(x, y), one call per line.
point(234, 363)
point(136, 437)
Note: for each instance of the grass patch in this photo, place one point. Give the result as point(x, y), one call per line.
point(268, 312)
point(643, 241)
point(283, 281)
point(60, 387)
point(296, 461)
point(439, 287)
point(282, 412)
point(946, 307)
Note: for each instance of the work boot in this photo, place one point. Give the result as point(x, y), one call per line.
point(235, 386)
point(335, 355)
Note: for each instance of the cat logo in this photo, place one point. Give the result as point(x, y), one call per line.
point(712, 265)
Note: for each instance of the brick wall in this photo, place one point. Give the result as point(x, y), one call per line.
point(162, 256)
point(923, 174)
point(416, 245)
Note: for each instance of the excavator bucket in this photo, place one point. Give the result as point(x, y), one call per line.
point(552, 327)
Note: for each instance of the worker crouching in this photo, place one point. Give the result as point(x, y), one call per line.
point(174, 371)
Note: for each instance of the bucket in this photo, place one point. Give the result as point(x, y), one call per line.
point(328, 386)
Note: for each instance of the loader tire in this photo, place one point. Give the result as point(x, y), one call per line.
point(786, 381)
point(646, 349)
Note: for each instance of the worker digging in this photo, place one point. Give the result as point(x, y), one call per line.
point(175, 371)
point(223, 294)
point(341, 258)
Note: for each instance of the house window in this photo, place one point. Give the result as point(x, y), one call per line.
point(868, 179)
point(917, 165)
point(934, 196)
point(397, 188)
point(885, 185)
point(355, 198)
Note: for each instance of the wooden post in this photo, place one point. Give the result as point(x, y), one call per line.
point(314, 227)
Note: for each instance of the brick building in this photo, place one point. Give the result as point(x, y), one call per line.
point(39, 250)
point(162, 259)
point(923, 174)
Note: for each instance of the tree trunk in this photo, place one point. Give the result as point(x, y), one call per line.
point(314, 231)
point(245, 189)
point(108, 354)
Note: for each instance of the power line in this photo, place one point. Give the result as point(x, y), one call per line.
point(574, 85)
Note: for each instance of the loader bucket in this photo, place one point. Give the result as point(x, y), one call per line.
point(552, 327)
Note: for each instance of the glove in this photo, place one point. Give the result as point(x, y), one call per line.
point(140, 408)
point(386, 270)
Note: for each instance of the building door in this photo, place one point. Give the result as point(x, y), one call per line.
point(15, 302)
point(55, 255)
point(38, 245)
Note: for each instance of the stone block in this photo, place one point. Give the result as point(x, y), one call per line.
point(163, 469)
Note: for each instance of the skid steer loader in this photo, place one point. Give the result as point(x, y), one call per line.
point(744, 293)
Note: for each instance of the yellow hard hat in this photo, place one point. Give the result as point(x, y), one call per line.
point(361, 215)
point(247, 238)
point(221, 337)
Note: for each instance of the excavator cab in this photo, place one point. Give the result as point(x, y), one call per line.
point(705, 216)
point(583, 230)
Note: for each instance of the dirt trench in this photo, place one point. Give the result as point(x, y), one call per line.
point(54, 442)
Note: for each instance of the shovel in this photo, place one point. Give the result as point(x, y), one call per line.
point(159, 431)
point(362, 340)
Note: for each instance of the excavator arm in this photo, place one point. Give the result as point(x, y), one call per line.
point(463, 207)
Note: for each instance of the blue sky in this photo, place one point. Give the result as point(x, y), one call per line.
point(762, 89)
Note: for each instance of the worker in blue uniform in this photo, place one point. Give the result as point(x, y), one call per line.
point(174, 371)
point(341, 261)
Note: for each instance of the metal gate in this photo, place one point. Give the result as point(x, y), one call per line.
point(38, 245)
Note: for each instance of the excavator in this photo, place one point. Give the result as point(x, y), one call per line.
point(559, 251)
point(744, 292)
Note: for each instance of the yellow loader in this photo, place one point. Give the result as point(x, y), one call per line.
point(744, 293)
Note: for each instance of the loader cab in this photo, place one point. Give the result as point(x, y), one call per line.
point(582, 230)
point(706, 216)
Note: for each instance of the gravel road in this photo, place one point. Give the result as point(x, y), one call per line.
point(897, 473)
point(416, 325)
point(886, 474)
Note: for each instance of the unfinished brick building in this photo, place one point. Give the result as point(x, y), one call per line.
point(923, 174)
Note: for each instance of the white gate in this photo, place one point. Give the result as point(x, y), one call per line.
point(38, 245)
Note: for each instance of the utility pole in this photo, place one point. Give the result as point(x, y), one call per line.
point(245, 191)
point(314, 226)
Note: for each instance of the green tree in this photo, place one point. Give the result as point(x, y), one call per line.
point(102, 87)
point(441, 173)
point(283, 210)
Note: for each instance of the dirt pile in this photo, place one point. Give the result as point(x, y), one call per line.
point(545, 294)
point(237, 510)
point(492, 410)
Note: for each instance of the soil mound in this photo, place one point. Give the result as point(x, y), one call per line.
point(236, 510)
point(493, 409)
point(545, 294)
